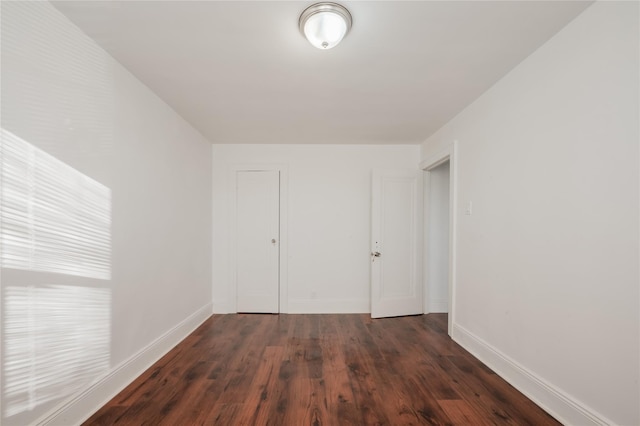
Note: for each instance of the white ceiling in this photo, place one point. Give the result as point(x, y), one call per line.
point(241, 72)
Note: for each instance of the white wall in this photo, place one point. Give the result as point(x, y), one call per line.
point(64, 96)
point(547, 265)
point(329, 220)
point(437, 268)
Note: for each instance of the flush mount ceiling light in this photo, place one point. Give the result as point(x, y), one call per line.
point(325, 24)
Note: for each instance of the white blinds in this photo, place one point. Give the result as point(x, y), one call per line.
point(54, 218)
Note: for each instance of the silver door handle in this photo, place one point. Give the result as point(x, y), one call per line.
point(376, 254)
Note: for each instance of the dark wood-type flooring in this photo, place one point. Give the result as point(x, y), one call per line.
point(250, 369)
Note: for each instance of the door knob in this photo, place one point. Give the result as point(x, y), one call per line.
point(376, 254)
point(273, 241)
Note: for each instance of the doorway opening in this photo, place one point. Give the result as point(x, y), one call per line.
point(439, 231)
point(437, 241)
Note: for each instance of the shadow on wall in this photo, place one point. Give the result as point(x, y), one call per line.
point(55, 239)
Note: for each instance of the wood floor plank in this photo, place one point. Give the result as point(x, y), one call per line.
point(366, 396)
point(461, 413)
point(249, 369)
point(222, 414)
point(262, 396)
point(404, 405)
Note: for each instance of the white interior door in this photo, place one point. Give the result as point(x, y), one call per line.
point(257, 240)
point(396, 243)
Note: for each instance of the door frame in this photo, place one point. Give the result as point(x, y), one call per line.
point(283, 238)
point(448, 153)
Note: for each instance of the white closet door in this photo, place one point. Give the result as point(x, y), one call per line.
point(258, 241)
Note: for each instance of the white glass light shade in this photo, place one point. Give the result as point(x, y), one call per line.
point(325, 29)
point(325, 24)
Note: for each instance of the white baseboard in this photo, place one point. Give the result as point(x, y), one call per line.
point(563, 407)
point(437, 306)
point(309, 306)
point(329, 306)
point(82, 405)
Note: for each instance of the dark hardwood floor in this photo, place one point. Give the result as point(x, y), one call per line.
point(250, 369)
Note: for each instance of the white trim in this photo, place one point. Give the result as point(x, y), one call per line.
point(82, 405)
point(231, 303)
point(426, 200)
point(449, 153)
point(436, 160)
point(563, 407)
point(329, 306)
